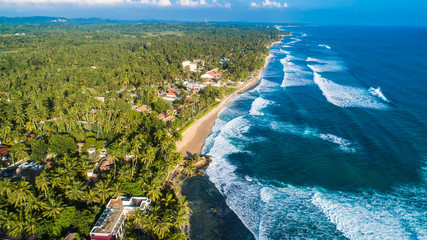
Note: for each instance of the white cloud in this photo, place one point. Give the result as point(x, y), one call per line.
point(202, 3)
point(91, 2)
point(268, 4)
point(187, 3)
point(160, 3)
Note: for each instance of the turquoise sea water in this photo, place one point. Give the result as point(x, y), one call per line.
point(332, 143)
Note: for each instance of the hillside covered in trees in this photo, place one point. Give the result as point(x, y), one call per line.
point(69, 96)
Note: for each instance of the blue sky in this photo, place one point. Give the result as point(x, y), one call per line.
point(359, 12)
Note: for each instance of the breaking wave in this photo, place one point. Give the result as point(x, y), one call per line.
point(294, 75)
point(259, 104)
point(372, 215)
point(346, 96)
point(377, 92)
point(343, 144)
point(325, 65)
point(324, 45)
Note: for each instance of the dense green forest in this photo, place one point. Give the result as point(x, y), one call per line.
point(51, 80)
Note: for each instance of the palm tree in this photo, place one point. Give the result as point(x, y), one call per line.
point(91, 197)
point(116, 190)
point(150, 222)
point(33, 205)
point(31, 225)
point(103, 190)
point(182, 205)
point(139, 219)
point(124, 174)
point(168, 200)
point(154, 192)
point(148, 156)
point(43, 183)
point(162, 228)
point(19, 151)
point(21, 194)
point(181, 220)
point(16, 227)
point(6, 188)
point(137, 143)
point(123, 142)
point(52, 208)
point(75, 191)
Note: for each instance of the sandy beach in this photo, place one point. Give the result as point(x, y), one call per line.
point(193, 138)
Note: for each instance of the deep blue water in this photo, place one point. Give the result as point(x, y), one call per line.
point(332, 143)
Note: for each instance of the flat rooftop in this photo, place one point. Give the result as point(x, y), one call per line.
point(108, 220)
point(115, 213)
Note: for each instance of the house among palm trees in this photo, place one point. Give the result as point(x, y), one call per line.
point(111, 223)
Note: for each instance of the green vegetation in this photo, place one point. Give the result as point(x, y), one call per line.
point(79, 83)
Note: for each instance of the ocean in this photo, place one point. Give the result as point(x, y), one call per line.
point(332, 142)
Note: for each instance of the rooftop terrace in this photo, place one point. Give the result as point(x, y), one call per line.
point(115, 213)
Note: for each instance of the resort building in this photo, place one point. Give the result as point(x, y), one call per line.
point(170, 95)
point(111, 223)
point(212, 74)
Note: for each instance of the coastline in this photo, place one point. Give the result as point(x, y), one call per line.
point(193, 138)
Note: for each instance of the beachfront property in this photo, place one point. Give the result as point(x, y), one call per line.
point(111, 223)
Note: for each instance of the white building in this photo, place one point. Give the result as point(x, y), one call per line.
point(192, 66)
point(110, 224)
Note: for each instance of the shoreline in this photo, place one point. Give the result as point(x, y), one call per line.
point(193, 138)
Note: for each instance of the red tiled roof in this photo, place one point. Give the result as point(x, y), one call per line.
point(170, 92)
point(213, 74)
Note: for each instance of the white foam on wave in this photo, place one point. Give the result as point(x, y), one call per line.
point(259, 104)
point(304, 35)
point(265, 86)
point(295, 75)
point(289, 214)
point(377, 92)
point(304, 213)
point(272, 212)
point(346, 96)
point(292, 58)
point(324, 45)
point(343, 144)
point(284, 51)
point(372, 215)
point(295, 40)
point(325, 65)
point(241, 196)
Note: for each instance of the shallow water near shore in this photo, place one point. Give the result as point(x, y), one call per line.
point(332, 143)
